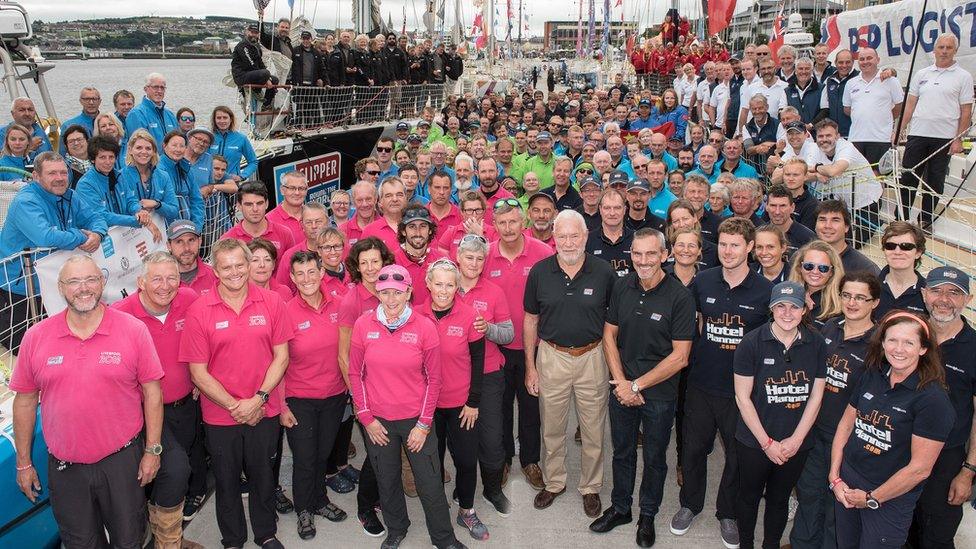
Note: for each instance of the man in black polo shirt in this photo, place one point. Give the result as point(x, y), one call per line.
point(565, 302)
point(590, 189)
point(562, 191)
point(950, 485)
point(647, 340)
point(833, 224)
point(696, 191)
point(611, 241)
point(638, 214)
point(732, 301)
point(780, 208)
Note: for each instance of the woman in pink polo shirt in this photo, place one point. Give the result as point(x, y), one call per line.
point(331, 245)
point(395, 374)
point(264, 257)
point(314, 391)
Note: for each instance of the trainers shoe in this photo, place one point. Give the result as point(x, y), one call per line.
point(282, 504)
point(392, 541)
point(191, 507)
point(730, 533)
point(475, 527)
point(332, 512)
point(350, 473)
point(793, 506)
point(306, 525)
point(501, 503)
point(371, 524)
point(340, 484)
point(681, 521)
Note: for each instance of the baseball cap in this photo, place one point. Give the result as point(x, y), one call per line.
point(618, 179)
point(415, 214)
point(402, 126)
point(540, 194)
point(789, 292)
point(306, 34)
point(639, 184)
point(253, 27)
point(181, 227)
point(543, 136)
point(644, 103)
point(796, 126)
point(423, 123)
point(676, 137)
point(589, 180)
point(393, 277)
point(414, 138)
point(948, 275)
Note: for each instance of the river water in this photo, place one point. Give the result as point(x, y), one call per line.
point(193, 83)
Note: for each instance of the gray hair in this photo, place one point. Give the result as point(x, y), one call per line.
point(474, 245)
point(787, 49)
point(296, 175)
point(720, 189)
point(790, 110)
point(611, 126)
point(745, 184)
point(805, 61)
point(464, 158)
point(156, 258)
point(154, 76)
point(563, 160)
point(20, 99)
point(309, 207)
point(79, 258)
point(568, 216)
point(443, 264)
point(759, 98)
point(648, 232)
point(364, 186)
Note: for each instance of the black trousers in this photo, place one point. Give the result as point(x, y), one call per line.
point(237, 448)
point(936, 522)
point(426, 473)
point(311, 443)
point(705, 415)
point(529, 424)
point(813, 525)
point(339, 457)
point(491, 448)
point(679, 412)
point(463, 444)
point(179, 433)
point(13, 321)
point(368, 495)
point(881, 528)
point(88, 499)
point(932, 172)
point(259, 78)
point(276, 458)
point(758, 477)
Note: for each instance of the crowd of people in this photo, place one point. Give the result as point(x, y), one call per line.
point(517, 250)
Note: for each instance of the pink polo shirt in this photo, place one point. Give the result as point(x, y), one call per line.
point(450, 219)
point(455, 330)
point(352, 230)
point(382, 230)
point(284, 291)
point(337, 287)
point(418, 271)
point(283, 269)
point(279, 236)
point(490, 208)
point(90, 390)
point(313, 364)
point(166, 335)
point(237, 348)
point(488, 301)
point(395, 375)
point(448, 239)
point(293, 224)
point(551, 241)
point(206, 278)
point(511, 275)
point(357, 302)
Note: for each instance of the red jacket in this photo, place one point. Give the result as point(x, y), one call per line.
point(639, 61)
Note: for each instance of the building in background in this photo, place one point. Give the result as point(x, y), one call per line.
point(758, 18)
point(561, 35)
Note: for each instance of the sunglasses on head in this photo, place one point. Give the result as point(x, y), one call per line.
point(470, 237)
point(386, 276)
point(903, 246)
point(513, 202)
point(823, 269)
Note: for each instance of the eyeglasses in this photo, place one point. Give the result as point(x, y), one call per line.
point(858, 298)
point(386, 276)
point(823, 269)
point(158, 87)
point(74, 283)
point(75, 140)
point(339, 203)
point(187, 118)
point(293, 189)
point(903, 246)
point(330, 248)
point(471, 237)
point(384, 149)
point(91, 99)
point(513, 202)
point(473, 211)
point(373, 172)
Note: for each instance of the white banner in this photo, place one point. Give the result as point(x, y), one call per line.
point(120, 258)
point(891, 30)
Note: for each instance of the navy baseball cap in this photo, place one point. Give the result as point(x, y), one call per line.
point(402, 126)
point(589, 180)
point(638, 184)
point(948, 275)
point(541, 194)
point(618, 179)
point(644, 103)
point(414, 138)
point(796, 126)
point(789, 292)
point(181, 227)
point(423, 123)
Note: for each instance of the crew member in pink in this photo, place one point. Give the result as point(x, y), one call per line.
point(252, 201)
point(184, 243)
point(236, 343)
point(440, 206)
point(473, 215)
point(161, 304)
point(264, 258)
point(314, 218)
point(415, 234)
point(364, 198)
point(98, 374)
point(314, 391)
point(395, 375)
point(393, 199)
point(331, 246)
point(509, 260)
point(288, 214)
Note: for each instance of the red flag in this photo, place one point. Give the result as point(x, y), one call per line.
point(719, 15)
point(777, 39)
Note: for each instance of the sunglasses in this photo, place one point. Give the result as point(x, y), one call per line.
point(513, 202)
point(187, 119)
point(903, 246)
point(584, 170)
point(470, 237)
point(373, 172)
point(384, 149)
point(386, 276)
point(823, 269)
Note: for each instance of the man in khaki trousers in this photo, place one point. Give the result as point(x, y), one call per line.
point(566, 298)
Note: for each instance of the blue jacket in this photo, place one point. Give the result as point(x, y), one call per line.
point(38, 132)
point(83, 120)
point(742, 170)
point(235, 146)
point(807, 101)
point(187, 188)
point(17, 162)
point(158, 121)
point(113, 205)
point(642, 123)
point(39, 219)
point(834, 88)
point(160, 189)
point(679, 116)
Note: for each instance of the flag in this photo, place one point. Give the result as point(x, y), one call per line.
point(776, 40)
point(719, 15)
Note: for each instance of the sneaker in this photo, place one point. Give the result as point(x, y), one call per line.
point(475, 527)
point(272, 543)
point(350, 473)
point(371, 524)
point(392, 541)
point(501, 503)
point(730, 533)
point(332, 512)
point(340, 484)
point(681, 521)
point(306, 525)
point(191, 507)
point(282, 504)
point(793, 506)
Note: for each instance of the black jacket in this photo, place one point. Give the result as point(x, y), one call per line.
point(418, 69)
point(429, 60)
point(334, 66)
point(246, 58)
point(360, 59)
point(396, 63)
point(378, 70)
point(297, 76)
point(454, 66)
point(275, 43)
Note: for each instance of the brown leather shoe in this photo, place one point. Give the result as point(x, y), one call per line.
point(592, 505)
point(545, 498)
point(533, 474)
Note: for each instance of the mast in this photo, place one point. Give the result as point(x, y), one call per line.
point(162, 35)
point(520, 25)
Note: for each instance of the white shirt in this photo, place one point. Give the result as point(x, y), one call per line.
point(857, 180)
point(940, 93)
point(686, 90)
point(704, 95)
point(744, 94)
point(809, 152)
point(719, 99)
point(775, 95)
point(871, 103)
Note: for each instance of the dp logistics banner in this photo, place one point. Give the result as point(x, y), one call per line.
point(893, 30)
point(120, 258)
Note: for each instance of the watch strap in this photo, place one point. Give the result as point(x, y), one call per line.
point(970, 466)
point(264, 396)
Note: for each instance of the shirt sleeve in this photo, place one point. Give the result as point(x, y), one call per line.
point(148, 367)
point(282, 330)
point(894, 87)
point(913, 85)
point(821, 370)
point(966, 91)
point(613, 309)
point(846, 99)
point(530, 300)
point(23, 380)
point(432, 372)
point(347, 312)
point(930, 413)
point(744, 362)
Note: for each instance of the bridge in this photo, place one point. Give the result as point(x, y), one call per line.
point(130, 54)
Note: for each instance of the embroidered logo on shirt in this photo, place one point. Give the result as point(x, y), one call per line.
point(333, 317)
point(305, 325)
point(55, 360)
point(408, 337)
point(110, 357)
point(455, 331)
point(709, 300)
point(372, 335)
point(178, 325)
point(868, 396)
point(223, 324)
point(747, 307)
point(480, 306)
point(257, 320)
point(587, 291)
point(495, 274)
point(769, 361)
point(597, 252)
point(655, 316)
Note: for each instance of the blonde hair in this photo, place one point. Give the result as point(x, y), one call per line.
point(115, 122)
point(17, 128)
point(136, 136)
point(830, 302)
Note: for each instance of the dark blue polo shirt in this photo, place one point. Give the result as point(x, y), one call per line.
point(909, 300)
point(650, 221)
point(648, 321)
point(617, 254)
point(783, 275)
point(854, 260)
point(709, 226)
point(834, 88)
point(798, 235)
point(728, 314)
point(888, 417)
point(806, 209)
point(845, 365)
point(782, 380)
point(959, 359)
point(569, 201)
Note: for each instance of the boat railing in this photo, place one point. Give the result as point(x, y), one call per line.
point(20, 307)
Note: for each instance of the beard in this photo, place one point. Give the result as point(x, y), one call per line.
point(463, 184)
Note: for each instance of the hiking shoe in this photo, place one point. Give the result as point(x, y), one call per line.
point(332, 512)
point(306, 525)
point(392, 541)
point(475, 527)
point(191, 507)
point(371, 524)
point(681, 521)
point(340, 484)
point(730, 533)
point(350, 473)
point(501, 503)
point(282, 504)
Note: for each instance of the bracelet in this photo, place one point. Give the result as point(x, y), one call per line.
point(970, 466)
point(768, 444)
point(423, 426)
point(25, 467)
point(835, 482)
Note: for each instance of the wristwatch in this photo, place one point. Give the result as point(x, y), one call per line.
point(871, 502)
point(154, 449)
point(634, 386)
point(264, 396)
point(969, 466)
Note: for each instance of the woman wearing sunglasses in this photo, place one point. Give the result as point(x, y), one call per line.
point(770, 253)
point(903, 244)
point(186, 119)
point(818, 268)
point(395, 376)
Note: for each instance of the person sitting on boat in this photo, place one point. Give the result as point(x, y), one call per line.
point(90, 101)
point(152, 188)
point(151, 113)
point(15, 148)
point(22, 112)
point(74, 149)
point(247, 67)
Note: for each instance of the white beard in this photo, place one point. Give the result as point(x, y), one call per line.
point(463, 184)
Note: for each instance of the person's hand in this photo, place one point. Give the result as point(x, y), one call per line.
point(857, 498)
point(416, 439)
point(377, 433)
point(157, 236)
point(961, 488)
point(886, 74)
point(775, 453)
point(247, 408)
point(624, 394)
point(143, 217)
point(955, 147)
point(474, 226)
point(29, 484)
point(480, 325)
point(287, 418)
point(791, 445)
point(207, 190)
point(91, 243)
point(148, 204)
point(840, 493)
point(148, 467)
point(532, 381)
point(35, 142)
point(468, 416)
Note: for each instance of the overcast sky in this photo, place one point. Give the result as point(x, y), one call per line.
point(327, 12)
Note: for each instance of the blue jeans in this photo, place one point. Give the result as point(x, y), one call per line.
point(654, 418)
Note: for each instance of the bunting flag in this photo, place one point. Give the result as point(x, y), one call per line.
point(719, 15)
point(605, 41)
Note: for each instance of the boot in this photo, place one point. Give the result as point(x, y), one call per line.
point(406, 473)
point(166, 524)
